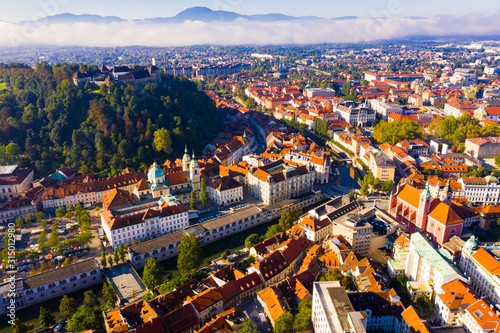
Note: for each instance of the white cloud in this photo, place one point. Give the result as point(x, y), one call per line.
point(243, 31)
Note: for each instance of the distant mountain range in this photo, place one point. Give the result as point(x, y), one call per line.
point(72, 18)
point(203, 14)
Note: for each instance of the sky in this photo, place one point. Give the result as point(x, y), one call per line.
point(377, 19)
point(13, 11)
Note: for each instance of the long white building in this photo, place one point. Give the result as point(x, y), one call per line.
point(481, 190)
point(121, 226)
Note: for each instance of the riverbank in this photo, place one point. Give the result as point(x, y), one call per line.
point(233, 243)
point(30, 315)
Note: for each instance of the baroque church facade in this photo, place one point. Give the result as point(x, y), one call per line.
point(172, 179)
point(438, 218)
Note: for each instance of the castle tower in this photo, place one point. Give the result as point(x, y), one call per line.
point(185, 160)
point(194, 174)
point(424, 205)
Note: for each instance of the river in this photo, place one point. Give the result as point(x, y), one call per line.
point(348, 177)
point(30, 315)
point(211, 251)
point(235, 242)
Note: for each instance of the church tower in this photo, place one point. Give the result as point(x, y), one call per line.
point(194, 174)
point(424, 205)
point(185, 160)
point(446, 194)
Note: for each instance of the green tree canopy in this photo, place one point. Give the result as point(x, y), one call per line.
point(19, 326)
point(153, 274)
point(387, 186)
point(190, 254)
point(345, 281)
point(162, 141)
point(46, 318)
point(90, 299)
point(286, 220)
point(302, 320)
point(273, 231)
point(396, 131)
point(284, 324)
point(192, 200)
point(86, 318)
point(203, 193)
point(424, 305)
point(248, 327)
point(251, 240)
point(109, 295)
point(67, 307)
point(103, 259)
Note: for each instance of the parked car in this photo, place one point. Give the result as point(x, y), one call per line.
point(58, 327)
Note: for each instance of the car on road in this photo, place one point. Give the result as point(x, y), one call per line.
point(58, 327)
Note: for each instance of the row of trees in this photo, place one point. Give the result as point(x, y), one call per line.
point(321, 127)
point(396, 131)
point(374, 184)
point(87, 316)
point(117, 256)
point(51, 242)
point(452, 130)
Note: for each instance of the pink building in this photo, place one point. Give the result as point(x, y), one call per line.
point(422, 213)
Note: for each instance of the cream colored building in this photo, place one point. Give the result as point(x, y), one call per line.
point(278, 181)
point(382, 167)
point(14, 181)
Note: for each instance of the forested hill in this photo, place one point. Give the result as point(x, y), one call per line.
point(46, 121)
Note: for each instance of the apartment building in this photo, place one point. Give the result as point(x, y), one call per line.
point(382, 166)
point(487, 147)
point(332, 310)
point(224, 190)
point(426, 264)
point(481, 190)
point(482, 268)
